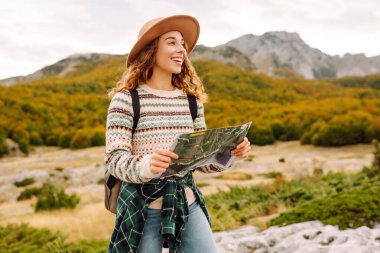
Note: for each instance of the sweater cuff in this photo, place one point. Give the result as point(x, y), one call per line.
point(145, 168)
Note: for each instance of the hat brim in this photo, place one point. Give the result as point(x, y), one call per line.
point(187, 25)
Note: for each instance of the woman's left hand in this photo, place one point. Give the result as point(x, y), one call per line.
point(242, 149)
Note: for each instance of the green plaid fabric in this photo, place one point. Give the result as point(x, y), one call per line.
point(132, 207)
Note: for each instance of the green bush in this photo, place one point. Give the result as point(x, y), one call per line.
point(22, 137)
point(260, 135)
point(24, 145)
point(65, 139)
point(3, 147)
point(312, 136)
point(292, 130)
point(35, 138)
point(19, 133)
point(278, 129)
point(52, 140)
point(60, 169)
point(350, 128)
point(240, 205)
point(53, 198)
point(235, 207)
point(346, 200)
point(294, 192)
point(335, 182)
point(88, 246)
point(349, 209)
point(98, 138)
point(24, 182)
point(28, 193)
point(376, 155)
point(80, 139)
point(26, 239)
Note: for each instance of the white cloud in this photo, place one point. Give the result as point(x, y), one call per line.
point(41, 32)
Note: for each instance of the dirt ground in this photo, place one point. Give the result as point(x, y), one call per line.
point(83, 168)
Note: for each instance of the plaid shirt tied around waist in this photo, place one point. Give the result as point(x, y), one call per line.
point(132, 207)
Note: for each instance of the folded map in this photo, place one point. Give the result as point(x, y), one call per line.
point(211, 146)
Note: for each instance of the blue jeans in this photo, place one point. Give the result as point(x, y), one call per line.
point(197, 236)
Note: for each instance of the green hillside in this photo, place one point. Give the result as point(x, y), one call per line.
point(71, 111)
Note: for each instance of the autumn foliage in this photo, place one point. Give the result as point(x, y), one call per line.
point(71, 111)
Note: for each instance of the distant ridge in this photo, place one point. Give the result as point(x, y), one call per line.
point(275, 53)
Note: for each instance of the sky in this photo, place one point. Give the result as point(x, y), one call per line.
point(37, 33)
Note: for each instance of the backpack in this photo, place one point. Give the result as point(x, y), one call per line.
point(111, 184)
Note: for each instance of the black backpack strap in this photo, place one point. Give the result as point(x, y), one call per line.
point(193, 106)
point(136, 108)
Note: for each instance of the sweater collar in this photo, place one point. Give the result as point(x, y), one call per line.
point(161, 93)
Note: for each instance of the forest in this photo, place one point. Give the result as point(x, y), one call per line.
point(70, 112)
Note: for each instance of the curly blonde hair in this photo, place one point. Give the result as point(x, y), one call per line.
point(141, 69)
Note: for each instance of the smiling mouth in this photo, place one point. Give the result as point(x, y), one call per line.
point(177, 60)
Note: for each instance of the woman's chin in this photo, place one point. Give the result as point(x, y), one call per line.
point(176, 71)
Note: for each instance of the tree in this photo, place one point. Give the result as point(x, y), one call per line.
point(98, 137)
point(81, 139)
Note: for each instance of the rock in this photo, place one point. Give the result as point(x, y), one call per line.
point(257, 246)
point(303, 237)
point(13, 148)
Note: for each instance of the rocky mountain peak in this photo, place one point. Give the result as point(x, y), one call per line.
point(59, 69)
point(275, 53)
point(283, 36)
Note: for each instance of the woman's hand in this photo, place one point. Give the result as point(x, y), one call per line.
point(161, 159)
point(242, 149)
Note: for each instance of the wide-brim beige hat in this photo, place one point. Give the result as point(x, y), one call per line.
point(185, 24)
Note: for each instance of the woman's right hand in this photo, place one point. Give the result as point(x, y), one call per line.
point(161, 160)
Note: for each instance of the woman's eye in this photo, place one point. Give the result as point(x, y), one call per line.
point(174, 43)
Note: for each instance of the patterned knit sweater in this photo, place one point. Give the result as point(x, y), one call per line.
point(163, 115)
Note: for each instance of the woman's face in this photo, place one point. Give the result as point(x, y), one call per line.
point(170, 52)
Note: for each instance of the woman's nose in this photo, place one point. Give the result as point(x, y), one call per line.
point(181, 48)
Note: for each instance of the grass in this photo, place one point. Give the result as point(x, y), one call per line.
point(23, 238)
point(348, 209)
point(348, 200)
point(84, 222)
point(241, 205)
point(335, 198)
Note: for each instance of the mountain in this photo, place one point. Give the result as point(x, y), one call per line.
point(356, 65)
point(279, 53)
point(58, 69)
point(276, 53)
point(226, 55)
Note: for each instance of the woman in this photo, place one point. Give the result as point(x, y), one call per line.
point(155, 211)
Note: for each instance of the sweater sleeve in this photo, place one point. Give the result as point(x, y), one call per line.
point(200, 125)
point(118, 157)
